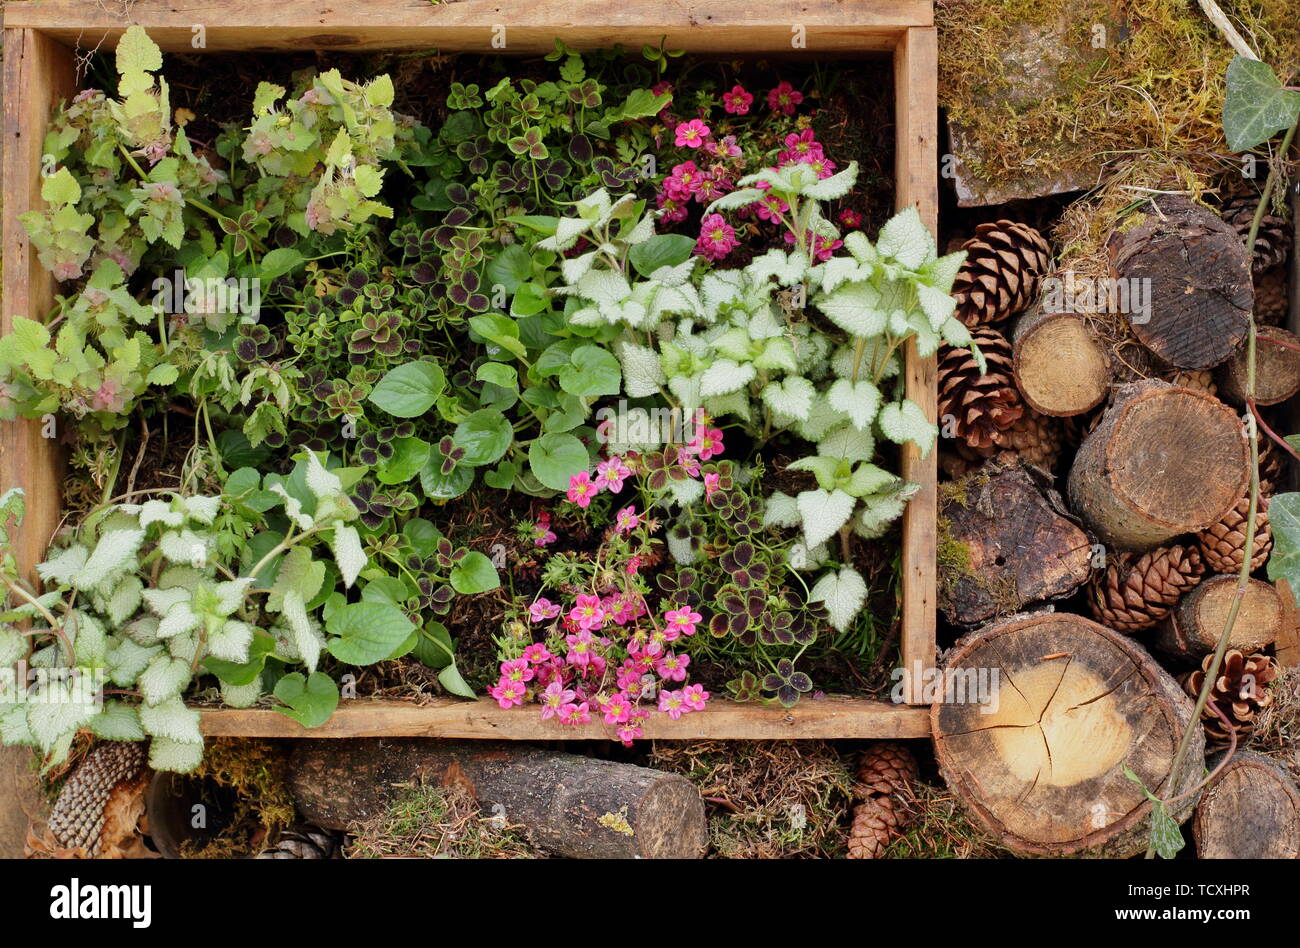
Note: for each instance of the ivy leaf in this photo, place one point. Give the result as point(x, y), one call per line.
point(1166, 837)
point(823, 513)
point(308, 700)
point(842, 593)
point(1256, 106)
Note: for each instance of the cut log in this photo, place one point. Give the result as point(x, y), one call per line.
point(573, 806)
point(1041, 766)
point(1193, 628)
point(1251, 811)
point(1004, 542)
point(1277, 369)
point(1161, 462)
point(1060, 366)
point(1198, 273)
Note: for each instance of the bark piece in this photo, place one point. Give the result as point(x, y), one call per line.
point(1161, 462)
point(1060, 366)
point(1042, 767)
point(1006, 543)
point(1201, 293)
point(579, 807)
point(1277, 369)
point(1251, 811)
point(1194, 626)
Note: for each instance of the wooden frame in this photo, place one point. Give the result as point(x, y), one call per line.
point(39, 39)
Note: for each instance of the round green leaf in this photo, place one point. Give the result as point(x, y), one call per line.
point(367, 632)
point(409, 455)
point(556, 457)
point(408, 391)
point(485, 435)
point(591, 371)
point(474, 574)
point(439, 486)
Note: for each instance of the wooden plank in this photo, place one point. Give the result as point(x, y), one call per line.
point(916, 184)
point(38, 72)
point(480, 25)
point(828, 718)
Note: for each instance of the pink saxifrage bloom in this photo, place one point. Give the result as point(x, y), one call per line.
point(536, 653)
point(707, 443)
point(784, 98)
point(575, 713)
point(737, 101)
point(587, 613)
point(543, 609)
point(610, 475)
point(695, 697)
point(681, 621)
point(555, 697)
point(627, 520)
point(691, 134)
point(581, 489)
point(672, 667)
point(673, 703)
point(508, 693)
point(717, 238)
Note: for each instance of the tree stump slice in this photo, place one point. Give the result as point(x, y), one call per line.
point(1005, 543)
point(1162, 461)
point(579, 807)
point(1277, 369)
point(1251, 811)
point(1201, 291)
point(1060, 367)
point(1193, 628)
point(1043, 770)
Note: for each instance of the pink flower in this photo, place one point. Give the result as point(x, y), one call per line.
point(707, 443)
point(682, 621)
point(684, 183)
point(711, 484)
point(800, 146)
point(575, 714)
point(581, 489)
point(663, 87)
point(541, 532)
point(580, 653)
point(770, 207)
point(672, 667)
point(726, 148)
point(518, 670)
point(673, 209)
point(821, 164)
point(689, 463)
point(717, 238)
point(713, 186)
point(629, 675)
point(823, 248)
point(691, 134)
point(611, 474)
point(537, 653)
point(627, 519)
point(618, 709)
point(784, 98)
point(587, 613)
point(673, 703)
point(737, 101)
point(554, 698)
point(850, 218)
point(695, 697)
point(633, 565)
point(543, 609)
point(508, 693)
point(628, 733)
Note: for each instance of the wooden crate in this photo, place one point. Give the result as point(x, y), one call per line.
point(40, 37)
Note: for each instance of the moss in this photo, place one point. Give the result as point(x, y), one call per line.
point(1029, 90)
point(433, 822)
point(256, 773)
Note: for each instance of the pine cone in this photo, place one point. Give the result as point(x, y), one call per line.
point(1200, 379)
point(1005, 263)
point(885, 767)
point(1035, 438)
point(1272, 240)
point(1271, 467)
point(303, 842)
point(1134, 593)
point(77, 818)
point(1272, 297)
point(1223, 544)
point(1241, 692)
point(875, 822)
point(981, 405)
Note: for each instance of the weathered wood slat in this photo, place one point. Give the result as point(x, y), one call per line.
point(698, 26)
point(828, 718)
point(38, 72)
point(916, 176)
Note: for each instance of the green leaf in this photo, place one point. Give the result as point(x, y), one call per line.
point(434, 647)
point(1284, 519)
point(554, 458)
point(1256, 106)
point(279, 262)
point(511, 267)
point(485, 435)
point(367, 632)
point(500, 374)
point(498, 329)
point(662, 250)
point(61, 188)
point(451, 679)
point(591, 371)
point(438, 486)
point(136, 52)
point(474, 574)
point(409, 456)
point(310, 701)
point(1166, 837)
point(408, 391)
